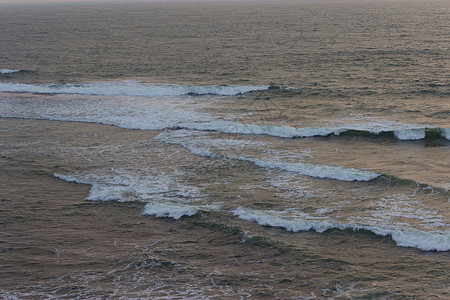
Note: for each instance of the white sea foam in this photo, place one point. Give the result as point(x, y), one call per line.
point(446, 133)
point(104, 192)
point(69, 178)
point(166, 199)
point(162, 210)
point(100, 191)
point(165, 108)
point(131, 88)
point(313, 170)
point(316, 170)
point(125, 187)
point(272, 130)
point(138, 113)
point(175, 211)
point(428, 241)
point(8, 71)
point(402, 131)
point(410, 134)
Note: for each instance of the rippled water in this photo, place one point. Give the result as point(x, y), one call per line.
point(308, 138)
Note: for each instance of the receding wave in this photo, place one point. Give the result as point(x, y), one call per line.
point(428, 241)
point(131, 88)
point(313, 170)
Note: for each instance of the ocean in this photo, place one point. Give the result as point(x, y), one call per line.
point(294, 150)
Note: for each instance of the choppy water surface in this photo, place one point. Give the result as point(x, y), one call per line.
point(305, 137)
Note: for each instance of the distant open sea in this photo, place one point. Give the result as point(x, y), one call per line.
point(225, 150)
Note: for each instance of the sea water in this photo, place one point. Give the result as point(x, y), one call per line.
point(285, 121)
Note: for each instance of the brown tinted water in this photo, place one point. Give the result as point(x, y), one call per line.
point(54, 243)
point(295, 150)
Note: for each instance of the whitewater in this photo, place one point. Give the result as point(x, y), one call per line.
point(184, 113)
point(401, 131)
point(246, 150)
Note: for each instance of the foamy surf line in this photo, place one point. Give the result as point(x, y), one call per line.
point(427, 241)
point(403, 132)
point(175, 211)
point(160, 206)
point(313, 170)
point(124, 187)
point(407, 133)
point(163, 208)
point(131, 88)
point(8, 71)
point(114, 113)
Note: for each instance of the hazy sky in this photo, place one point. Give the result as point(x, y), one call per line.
point(68, 1)
point(91, 1)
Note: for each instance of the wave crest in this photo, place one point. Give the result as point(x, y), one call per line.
point(313, 170)
point(8, 71)
point(428, 241)
point(165, 210)
point(131, 88)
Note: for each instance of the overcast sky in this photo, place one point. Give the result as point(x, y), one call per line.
point(91, 1)
point(68, 1)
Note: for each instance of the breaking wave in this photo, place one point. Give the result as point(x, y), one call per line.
point(123, 187)
point(405, 133)
point(313, 170)
point(156, 196)
point(428, 241)
point(174, 211)
point(8, 71)
point(177, 113)
point(167, 206)
point(131, 88)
